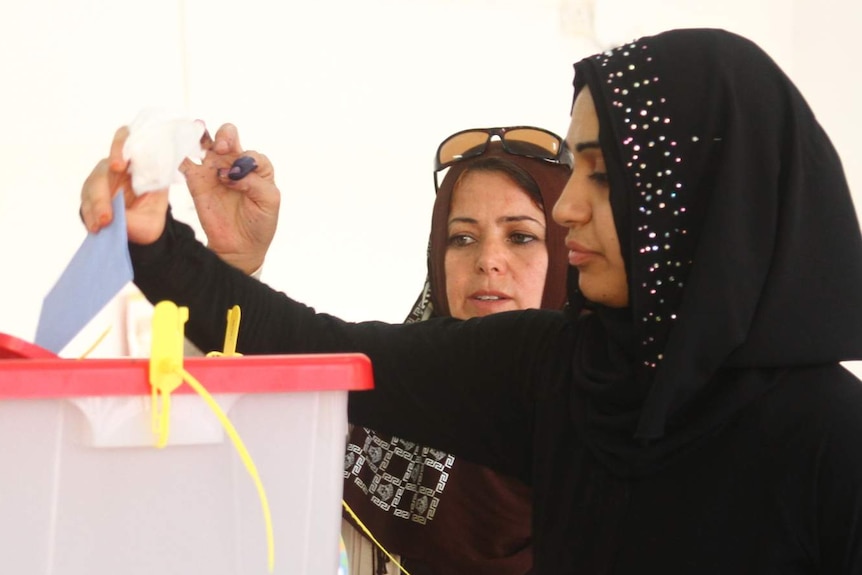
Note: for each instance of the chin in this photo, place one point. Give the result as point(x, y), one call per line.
point(486, 309)
point(605, 297)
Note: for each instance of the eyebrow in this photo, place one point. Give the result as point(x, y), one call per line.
point(581, 146)
point(504, 219)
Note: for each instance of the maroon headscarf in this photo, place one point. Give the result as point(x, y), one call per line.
point(550, 178)
point(442, 514)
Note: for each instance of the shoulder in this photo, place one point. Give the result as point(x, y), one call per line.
point(822, 403)
point(832, 395)
point(814, 420)
point(832, 404)
point(809, 422)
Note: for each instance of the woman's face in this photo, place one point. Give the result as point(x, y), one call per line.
point(585, 209)
point(496, 258)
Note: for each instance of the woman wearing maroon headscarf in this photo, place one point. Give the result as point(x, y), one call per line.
point(493, 247)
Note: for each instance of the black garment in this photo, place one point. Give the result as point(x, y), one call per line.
point(776, 489)
point(709, 428)
point(740, 239)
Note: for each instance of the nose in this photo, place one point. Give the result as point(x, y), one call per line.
point(492, 257)
point(572, 207)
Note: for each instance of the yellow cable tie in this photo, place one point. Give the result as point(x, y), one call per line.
point(95, 343)
point(244, 455)
point(166, 363)
point(370, 536)
point(167, 374)
point(230, 334)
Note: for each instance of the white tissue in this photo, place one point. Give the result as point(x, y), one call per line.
point(158, 142)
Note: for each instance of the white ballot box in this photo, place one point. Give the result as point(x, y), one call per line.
point(84, 491)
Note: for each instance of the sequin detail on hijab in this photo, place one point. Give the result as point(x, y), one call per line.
point(651, 154)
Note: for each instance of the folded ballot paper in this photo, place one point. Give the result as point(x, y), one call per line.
point(158, 142)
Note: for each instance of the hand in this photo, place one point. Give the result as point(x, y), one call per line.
point(145, 214)
point(239, 217)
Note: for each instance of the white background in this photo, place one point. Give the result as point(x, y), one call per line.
point(349, 99)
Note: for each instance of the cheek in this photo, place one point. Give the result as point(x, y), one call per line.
point(531, 279)
point(456, 267)
point(611, 246)
point(606, 229)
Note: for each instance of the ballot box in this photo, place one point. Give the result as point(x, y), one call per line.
point(84, 491)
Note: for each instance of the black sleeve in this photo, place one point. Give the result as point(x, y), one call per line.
point(462, 386)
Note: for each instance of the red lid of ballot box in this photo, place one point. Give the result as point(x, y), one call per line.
point(29, 371)
point(12, 347)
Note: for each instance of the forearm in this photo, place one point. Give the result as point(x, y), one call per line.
point(463, 386)
point(180, 269)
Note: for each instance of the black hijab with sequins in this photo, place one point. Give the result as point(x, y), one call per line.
point(741, 243)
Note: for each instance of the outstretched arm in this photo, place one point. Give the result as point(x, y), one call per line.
point(463, 386)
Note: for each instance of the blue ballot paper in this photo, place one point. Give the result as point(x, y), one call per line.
point(97, 272)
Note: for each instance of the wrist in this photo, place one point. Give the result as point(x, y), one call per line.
point(248, 265)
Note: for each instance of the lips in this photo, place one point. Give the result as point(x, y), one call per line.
point(485, 302)
point(579, 254)
point(489, 296)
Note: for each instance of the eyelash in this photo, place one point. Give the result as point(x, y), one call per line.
point(600, 178)
point(458, 240)
point(523, 238)
point(517, 238)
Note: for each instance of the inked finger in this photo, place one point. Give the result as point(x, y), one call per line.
point(241, 167)
point(264, 166)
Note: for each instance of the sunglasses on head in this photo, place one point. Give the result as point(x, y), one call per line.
point(524, 141)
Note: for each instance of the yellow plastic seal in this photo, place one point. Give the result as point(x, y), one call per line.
point(167, 374)
point(230, 334)
point(166, 363)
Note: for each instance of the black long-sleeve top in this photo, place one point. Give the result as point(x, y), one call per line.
point(777, 489)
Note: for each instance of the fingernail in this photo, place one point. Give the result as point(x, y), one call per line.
point(243, 166)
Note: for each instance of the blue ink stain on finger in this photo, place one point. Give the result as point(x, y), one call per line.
point(242, 166)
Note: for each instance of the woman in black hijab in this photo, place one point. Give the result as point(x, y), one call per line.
point(699, 420)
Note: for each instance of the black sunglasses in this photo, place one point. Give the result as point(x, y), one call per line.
point(524, 141)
